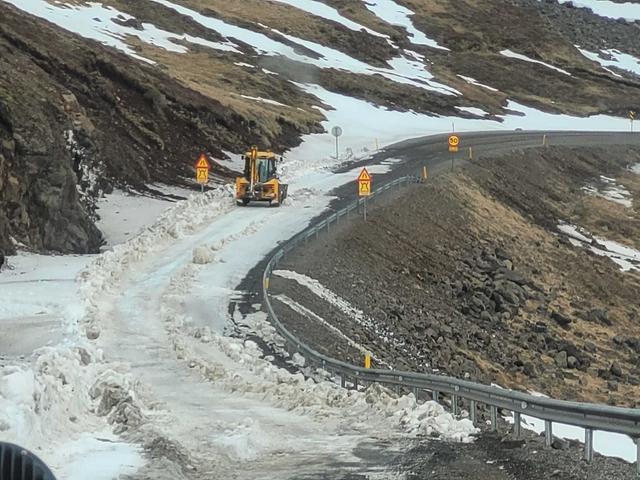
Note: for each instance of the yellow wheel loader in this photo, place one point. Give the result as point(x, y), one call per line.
point(260, 182)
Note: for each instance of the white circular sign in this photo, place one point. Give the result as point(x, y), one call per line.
point(336, 131)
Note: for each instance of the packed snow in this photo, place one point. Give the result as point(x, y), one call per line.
point(519, 56)
point(123, 214)
point(38, 294)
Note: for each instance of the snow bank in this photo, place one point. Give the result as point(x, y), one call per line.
point(47, 406)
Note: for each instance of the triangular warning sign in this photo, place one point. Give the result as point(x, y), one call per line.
point(202, 162)
point(364, 176)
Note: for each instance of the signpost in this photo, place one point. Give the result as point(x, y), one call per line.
point(632, 117)
point(454, 143)
point(202, 171)
point(337, 132)
point(364, 188)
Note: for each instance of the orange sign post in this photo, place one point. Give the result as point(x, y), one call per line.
point(364, 188)
point(454, 143)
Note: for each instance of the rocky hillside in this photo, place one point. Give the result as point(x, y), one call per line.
point(503, 273)
point(125, 92)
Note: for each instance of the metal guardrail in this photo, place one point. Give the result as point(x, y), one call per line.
point(16, 463)
point(589, 416)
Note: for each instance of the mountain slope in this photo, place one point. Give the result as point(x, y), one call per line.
point(216, 76)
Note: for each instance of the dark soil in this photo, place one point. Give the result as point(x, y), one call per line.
point(501, 457)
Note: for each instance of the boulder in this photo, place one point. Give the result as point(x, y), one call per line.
point(561, 359)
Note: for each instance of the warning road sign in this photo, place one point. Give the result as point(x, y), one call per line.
point(203, 162)
point(364, 183)
point(202, 170)
point(454, 142)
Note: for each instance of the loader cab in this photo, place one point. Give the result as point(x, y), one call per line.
point(265, 167)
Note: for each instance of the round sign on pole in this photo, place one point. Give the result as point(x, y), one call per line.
point(336, 131)
point(454, 141)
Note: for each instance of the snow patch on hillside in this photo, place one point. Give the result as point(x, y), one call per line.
point(96, 22)
point(625, 257)
point(519, 56)
point(611, 191)
point(395, 14)
point(605, 8)
point(614, 58)
point(325, 11)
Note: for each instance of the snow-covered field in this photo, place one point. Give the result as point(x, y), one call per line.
point(163, 368)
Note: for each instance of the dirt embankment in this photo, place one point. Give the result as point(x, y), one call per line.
point(469, 275)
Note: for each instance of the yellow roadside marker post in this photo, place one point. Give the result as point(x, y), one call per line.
point(454, 143)
point(202, 171)
point(367, 360)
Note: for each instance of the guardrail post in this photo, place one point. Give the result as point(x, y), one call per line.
point(415, 393)
point(548, 433)
point(454, 405)
point(517, 425)
point(355, 383)
point(638, 455)
point(343, 381)
point(494, 418)
point(588, 445)
point(472, 411)
point(435, 396)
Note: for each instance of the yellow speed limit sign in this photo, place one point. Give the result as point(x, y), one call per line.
point(454, 143)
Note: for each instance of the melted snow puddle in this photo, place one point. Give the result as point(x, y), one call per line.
point(611, 191)
point(626, 258)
